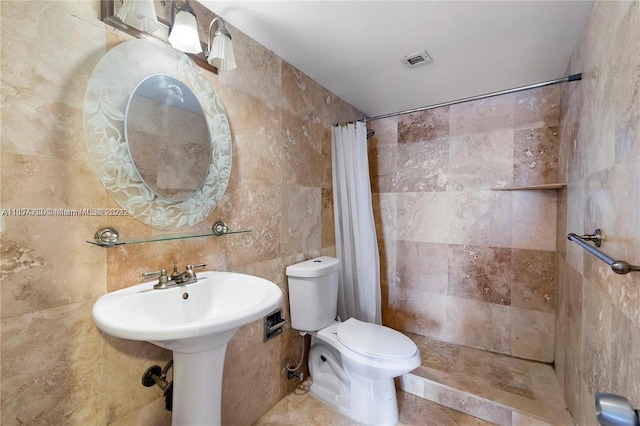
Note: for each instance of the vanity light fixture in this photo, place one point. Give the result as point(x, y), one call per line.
point(140, 14)
point(176, 25)
point(220, 54)
point(184, 29)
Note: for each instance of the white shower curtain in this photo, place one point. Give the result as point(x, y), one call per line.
point(356, 243)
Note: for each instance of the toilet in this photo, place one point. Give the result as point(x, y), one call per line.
point(352, 363)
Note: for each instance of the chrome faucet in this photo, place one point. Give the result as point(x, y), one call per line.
point(164, 281)
point(188, 276)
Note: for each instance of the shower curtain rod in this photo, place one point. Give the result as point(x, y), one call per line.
point(573, 77)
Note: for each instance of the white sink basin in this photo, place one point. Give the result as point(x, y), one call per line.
point(195, 321)
point(218, 302)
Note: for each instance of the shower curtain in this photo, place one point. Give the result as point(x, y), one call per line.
point(356, 243)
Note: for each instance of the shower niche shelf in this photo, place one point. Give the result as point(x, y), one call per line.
point(531, 187)
point(109, 237)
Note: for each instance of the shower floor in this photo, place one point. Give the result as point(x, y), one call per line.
point(497, 388)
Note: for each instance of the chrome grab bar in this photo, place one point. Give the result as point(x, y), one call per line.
point(617, 266)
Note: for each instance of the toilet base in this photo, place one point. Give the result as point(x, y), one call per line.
point(365, 400)
point(372, 403)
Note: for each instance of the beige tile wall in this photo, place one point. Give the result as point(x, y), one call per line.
point(56, 368)
point(598, 315)
point(460, 262)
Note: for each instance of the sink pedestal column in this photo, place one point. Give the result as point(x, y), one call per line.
point(197, 384)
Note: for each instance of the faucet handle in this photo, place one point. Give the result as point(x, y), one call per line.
point(200, 265)
point(162, 281)
point(161, 273)
point(175, 272)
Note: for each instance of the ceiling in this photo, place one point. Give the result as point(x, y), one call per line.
point(353, 48)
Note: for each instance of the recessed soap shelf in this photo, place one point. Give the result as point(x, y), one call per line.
point(109, 237)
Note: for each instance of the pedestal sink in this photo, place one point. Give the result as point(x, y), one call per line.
point(195, 321)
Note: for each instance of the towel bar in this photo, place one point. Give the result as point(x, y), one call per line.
point(617, 266)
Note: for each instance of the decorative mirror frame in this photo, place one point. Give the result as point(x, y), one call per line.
point(110, 87)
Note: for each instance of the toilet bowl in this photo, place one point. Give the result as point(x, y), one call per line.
point(352, 363)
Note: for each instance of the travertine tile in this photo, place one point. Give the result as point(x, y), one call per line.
point(537, 107)
point(575, 224)
point(626, 87)
point(37, 93)
point(383, 168)
point(278, 415)
point(258, 151)
point(435, 354)
point(301, 217)
point(534, 284)
point(387, 251)
point(301, 95)
point(586, 411)
point(423, 266)
point(532, 334)
point(481, 161)
point(423, 167)
point(502, 372)
point(154, 413)
point(560, 322)
point(477, 324)
point(535, 156)
point(259, 72)
point(480, 273)
point(239, 406)
point(561, 229)
point(257, 206)
point(534, 213)
point(596, 339)
point(470, 404)
point(573, 338)
point(336, 111)
point(481, 116)
point(302, 162)
point(519, 419)
point(386, 132)
point(327, 231)
point(423, 216)
point(125, 362)
point(417, 312)
point(34, 271)
point(625, 357)
point(423, 126)
point(410, 384)
point(415, 410)
point(480, 218)
point(385, 215)
point(308, 410)
point(85, 10)
point(52, 367)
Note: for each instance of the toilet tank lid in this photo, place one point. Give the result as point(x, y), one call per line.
point(317, 267)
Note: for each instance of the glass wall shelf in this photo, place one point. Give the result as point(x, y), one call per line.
point(109, 237)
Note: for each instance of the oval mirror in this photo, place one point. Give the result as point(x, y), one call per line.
point(177, 164)
point(167, 136)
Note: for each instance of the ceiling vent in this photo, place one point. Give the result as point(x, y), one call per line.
point(417, 59)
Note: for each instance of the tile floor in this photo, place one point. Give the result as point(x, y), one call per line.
point(307, 410)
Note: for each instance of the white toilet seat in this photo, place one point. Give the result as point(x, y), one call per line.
point(375, 340)
point(367, 364)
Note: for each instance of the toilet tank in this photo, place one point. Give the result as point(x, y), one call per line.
point(313, 293)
